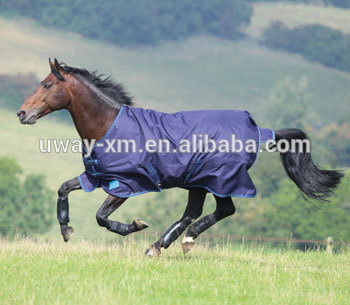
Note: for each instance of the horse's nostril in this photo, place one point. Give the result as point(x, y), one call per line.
point(21, 113)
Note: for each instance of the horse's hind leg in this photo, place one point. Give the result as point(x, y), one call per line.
point(63, 206)
point(193, 210)
point(108, 207)
point(224, 208)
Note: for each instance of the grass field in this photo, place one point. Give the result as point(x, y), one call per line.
point(199, 73)
point(105, 273)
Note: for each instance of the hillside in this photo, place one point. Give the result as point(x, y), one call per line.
point(204, 72)
point(200, 73)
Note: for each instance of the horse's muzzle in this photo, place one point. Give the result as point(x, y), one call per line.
point(25, 118)
point(21, 114)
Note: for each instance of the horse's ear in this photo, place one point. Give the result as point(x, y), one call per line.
point(57, 65)
point(55, 70)
point(51, 64)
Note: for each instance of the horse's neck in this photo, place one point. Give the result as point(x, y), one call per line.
point(92, 117)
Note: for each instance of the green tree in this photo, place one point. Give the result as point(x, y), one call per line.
point(286, 213)
point(288, 107)
point(335, 139)
point(26, 207)
point(313, 41)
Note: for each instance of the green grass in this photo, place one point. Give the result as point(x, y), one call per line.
point(294, 14)
point(107, 273)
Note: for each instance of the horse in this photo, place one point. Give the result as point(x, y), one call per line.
point(100, 106)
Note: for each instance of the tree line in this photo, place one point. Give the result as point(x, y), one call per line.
point(26, 204)
point(315, 42)
point(138, 22)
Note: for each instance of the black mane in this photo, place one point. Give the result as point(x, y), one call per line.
point(109, 87)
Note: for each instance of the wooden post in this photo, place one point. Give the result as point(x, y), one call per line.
point(329, 248)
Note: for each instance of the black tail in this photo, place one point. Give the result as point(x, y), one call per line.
point(314, 182)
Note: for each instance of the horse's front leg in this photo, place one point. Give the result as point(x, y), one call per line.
point(63, 206)
point(108, 207)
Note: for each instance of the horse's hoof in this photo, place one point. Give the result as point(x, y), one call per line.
point(67, 233)
point(140, 224)
point(152, 251)
point(187, 244)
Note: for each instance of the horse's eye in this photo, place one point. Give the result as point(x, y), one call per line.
point(47, 85)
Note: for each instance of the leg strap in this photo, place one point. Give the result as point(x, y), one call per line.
point(120, 228)
point(201, 225)
point(174, 232)
point(63, 210)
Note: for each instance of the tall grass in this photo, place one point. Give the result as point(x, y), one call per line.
point(38, 272)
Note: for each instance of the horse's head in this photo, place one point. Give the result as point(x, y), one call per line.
point(52, 94)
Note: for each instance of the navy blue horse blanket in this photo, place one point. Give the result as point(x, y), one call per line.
point(180, 162)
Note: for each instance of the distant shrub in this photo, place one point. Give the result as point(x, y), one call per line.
point(337, 137)
point(26, 206)
point(141, 22)
point(285, 212)
point(315, 42)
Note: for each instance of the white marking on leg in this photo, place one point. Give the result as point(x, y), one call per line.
point(188, 239)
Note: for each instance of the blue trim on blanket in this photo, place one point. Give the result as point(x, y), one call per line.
point(259, 144)
point(138, 193)
point(153, 173)
point(83, 187)
point(189, 186)
point(195, 166)
point(220, 195)
point(273, 135)
point(108, 131)
point(112, 126)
